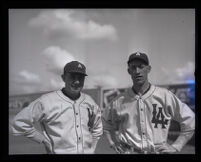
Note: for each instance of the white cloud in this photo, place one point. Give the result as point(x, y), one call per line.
point(186, 72)
point(29, 77)
point(57, 58)
point(24, 82)
point(65, 22)
point(179, 75)
point(28, 82)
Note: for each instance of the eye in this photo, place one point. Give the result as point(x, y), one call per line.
point(141, 66)
point(133, 67)
point(81, 77)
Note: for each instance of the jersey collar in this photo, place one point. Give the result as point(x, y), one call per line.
point(132, 94)
point(80, 99)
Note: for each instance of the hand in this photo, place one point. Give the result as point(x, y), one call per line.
point(117, 148)
point(48, 146)
point(166, 149)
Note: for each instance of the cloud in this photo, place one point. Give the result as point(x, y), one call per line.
point(57, 58)
point(180, 75)
point(28, 82)
point(24, 82)
point(70, 22)
point(25, 76)
point(186, 72)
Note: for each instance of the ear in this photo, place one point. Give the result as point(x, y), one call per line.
point(129, 72)
point(149, 68)
point(63, 77)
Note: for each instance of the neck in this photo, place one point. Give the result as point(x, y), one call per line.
point(71, 95)
point(141, 89)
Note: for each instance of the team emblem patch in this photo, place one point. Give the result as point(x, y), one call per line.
point(158, 117)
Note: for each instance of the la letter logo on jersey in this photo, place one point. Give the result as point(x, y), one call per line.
point(158, 117)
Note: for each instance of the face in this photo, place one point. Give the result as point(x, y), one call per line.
point(74, 83)
point(139, 71)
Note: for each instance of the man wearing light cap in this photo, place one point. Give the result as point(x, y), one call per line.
point(138, 120)
point(70, 120)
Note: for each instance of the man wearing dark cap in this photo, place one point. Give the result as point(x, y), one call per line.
point(70, 120)
point(138, 120)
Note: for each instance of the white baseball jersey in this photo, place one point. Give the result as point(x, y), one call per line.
point(143, 121)
point(71, 126)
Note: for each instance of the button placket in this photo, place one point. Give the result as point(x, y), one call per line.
point(78, 128)
point(142, 123)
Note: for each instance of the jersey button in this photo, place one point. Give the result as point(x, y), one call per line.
point(76, 113)
point(77, 126)
point(141, 109)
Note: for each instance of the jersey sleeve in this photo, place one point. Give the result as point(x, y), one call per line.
point(97, 128)
point(182, 113)
point(23, 122)
point(110, 117)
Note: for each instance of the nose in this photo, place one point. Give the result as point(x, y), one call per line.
point(137, 70)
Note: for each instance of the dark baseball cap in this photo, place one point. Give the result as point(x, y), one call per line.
point(138, 55)
point(75, 67)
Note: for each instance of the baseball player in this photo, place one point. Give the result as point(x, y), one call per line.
point(138, 120)
point(70, 120)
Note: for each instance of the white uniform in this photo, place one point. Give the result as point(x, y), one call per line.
point(71, 126)
point(142, 122)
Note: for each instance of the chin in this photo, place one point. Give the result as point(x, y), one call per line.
point(140, 83)
point(76, 90)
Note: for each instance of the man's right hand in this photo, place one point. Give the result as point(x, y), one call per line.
point(48, 146)
point(117, 148)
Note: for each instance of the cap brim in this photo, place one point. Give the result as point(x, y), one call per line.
point(78, 73)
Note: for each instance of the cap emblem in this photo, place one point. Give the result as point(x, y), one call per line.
point(138, 53)
point(80, 66)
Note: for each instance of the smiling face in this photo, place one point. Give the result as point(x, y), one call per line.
point(74, 83)
point(139, 70)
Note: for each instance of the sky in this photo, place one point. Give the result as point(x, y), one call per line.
point(42, 41)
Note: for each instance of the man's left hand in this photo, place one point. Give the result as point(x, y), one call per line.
point(166, 149)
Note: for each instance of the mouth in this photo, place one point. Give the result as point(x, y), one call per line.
point(76, 87)
point(138, 77)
